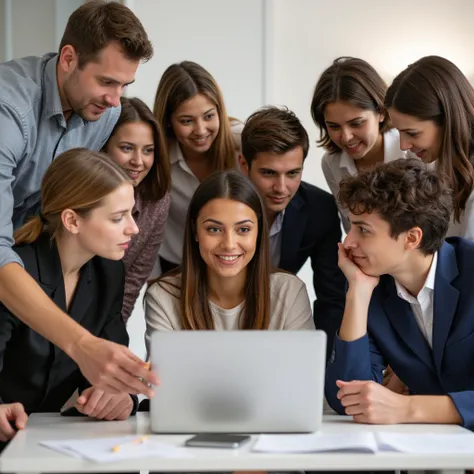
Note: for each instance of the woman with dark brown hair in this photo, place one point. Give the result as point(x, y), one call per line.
point(137, 145)
point(200, 137)
point(348, 108)
point(225, 281)
point(431, 103)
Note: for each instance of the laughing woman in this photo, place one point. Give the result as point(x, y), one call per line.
point(225, 281)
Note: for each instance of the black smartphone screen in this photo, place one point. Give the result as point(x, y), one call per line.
point(217, 440)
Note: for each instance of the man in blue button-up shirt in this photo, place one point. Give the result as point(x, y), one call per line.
point(48, 105)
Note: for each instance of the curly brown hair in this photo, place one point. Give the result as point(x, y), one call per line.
point(405, 194)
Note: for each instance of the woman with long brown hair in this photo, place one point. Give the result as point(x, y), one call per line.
point(73, 250)
point(225, 281)
point(137, 145)
point(431, 103)
point(200, 137)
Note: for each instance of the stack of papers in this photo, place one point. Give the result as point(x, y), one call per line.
point(101, 449)
point(368, 442)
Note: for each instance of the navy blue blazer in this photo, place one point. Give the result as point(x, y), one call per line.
point(33, 371)
point(311, 229)
point(395, 339)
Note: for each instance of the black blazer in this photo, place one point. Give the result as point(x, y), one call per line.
point(32, 370)
point(312, 229)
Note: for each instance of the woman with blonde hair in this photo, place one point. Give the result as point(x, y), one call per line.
point(137, 145)
point(225, 281)
point(73, 249)
point(200, 137)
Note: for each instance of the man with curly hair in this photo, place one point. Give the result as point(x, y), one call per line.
point(409, 304)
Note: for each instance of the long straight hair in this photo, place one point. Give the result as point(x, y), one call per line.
point(193, 289)
point(78, 179)
point(435, 89)
point(158, 180)
point(181, 82)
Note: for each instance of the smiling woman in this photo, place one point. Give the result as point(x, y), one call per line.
point(432, 104)
point(348, 108)
point(225, 281)
point(137, 146)
point(200, 138)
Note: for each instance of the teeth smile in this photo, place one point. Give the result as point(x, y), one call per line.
point(229, 258)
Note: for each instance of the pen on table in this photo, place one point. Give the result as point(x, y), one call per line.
point(134, 442)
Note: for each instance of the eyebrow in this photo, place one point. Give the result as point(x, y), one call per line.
point(409, 130)
point(360, 223)
point(220, 223)
point(205, 113)
point(125, 142)
point(300, 168)
point(349, 121)
point(114, 81)
point(123, 211)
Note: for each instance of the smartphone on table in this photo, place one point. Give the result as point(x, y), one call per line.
point(217, 440)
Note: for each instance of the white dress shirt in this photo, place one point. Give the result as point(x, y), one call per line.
point(183, 185)
point(339, 165)
point(422, 305)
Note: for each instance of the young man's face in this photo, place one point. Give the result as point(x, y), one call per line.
point(372, 248)
point(276, 176)
point(90, 91)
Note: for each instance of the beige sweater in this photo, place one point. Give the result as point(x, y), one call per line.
point(290, 308)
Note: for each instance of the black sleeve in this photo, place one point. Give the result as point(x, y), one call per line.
point(328, 280)
point(115, 330)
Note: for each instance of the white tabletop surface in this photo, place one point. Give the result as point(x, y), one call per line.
point(25, 455)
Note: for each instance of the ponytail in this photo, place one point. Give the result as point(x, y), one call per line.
point(29, 232)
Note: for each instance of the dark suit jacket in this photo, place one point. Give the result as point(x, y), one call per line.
point(312, 229)
point(395, 339)
point(32, 370)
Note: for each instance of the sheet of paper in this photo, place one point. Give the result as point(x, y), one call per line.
point(100, 449)
point(426, 443)
point(317, 442)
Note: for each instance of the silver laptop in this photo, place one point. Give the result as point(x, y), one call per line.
point(238, 381)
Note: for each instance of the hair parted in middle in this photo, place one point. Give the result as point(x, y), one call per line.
point(193, 289)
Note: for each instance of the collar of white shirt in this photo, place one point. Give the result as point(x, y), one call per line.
point(428, 285)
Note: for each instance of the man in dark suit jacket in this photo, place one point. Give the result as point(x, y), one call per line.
point(303, 219)
point(409, 305)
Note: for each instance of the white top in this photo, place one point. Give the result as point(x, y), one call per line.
point(339, 165)
point(465, 227)
point(183, 185)
point(24, 454)
point(422, 305)
point(290, 308)
point(275, 239)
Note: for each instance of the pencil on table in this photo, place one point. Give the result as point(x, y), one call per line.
point(136, 441)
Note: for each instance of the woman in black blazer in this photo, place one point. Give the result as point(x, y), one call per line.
point(73, 250)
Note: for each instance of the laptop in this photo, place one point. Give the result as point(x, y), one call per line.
point(238, 381)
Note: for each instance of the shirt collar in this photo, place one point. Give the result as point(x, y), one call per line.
point(429, 282)
point(176, 153)
point(52, 106)
point(138, 207)
point(348, 163)
point(277, 223)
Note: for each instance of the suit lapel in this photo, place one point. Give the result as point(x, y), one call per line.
point(445, 301)
point(294, 224)
point(83, 295)
point(402, 319)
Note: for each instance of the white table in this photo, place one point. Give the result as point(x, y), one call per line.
point(25, 455)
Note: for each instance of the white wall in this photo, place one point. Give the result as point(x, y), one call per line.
point(227, 38)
